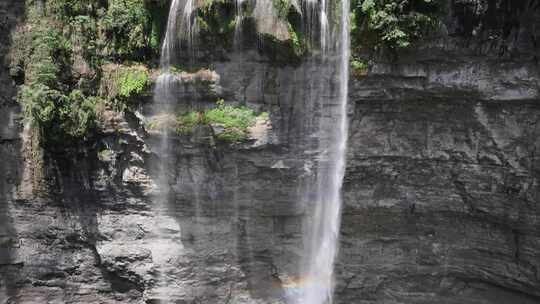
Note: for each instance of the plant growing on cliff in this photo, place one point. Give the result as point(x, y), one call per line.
point(393, 24)
point(60, 54)
point(216, 23)
point(234, 121)
point(128, 26)
point(49, 56)
point(282, 7)
point(124, 85)
point(133, 82)
point(359, 67)
point(50, 104)
point(59, 117)
point(56, 114)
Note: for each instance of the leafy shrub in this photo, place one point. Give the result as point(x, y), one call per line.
point(123, 86)
point(186, 122)
point(216, 23)
point(59, 60)
point(85, 35)
point(64, 10)
point(359, 67)
point(49, 56)
point(394, 24)
point(128, 26)
point(282, 7)
point(133, 82)
point(235, 121)
point(59, 117)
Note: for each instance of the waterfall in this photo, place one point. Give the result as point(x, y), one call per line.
point(239, 19)
point(316, 18)
point(188, 27)
point(333, 41)
point(165, 246)
point(177, 33)
point(323, 19)
point(325, 226)
point(169, 42)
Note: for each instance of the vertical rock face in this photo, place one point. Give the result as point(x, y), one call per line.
point(442, 202)
point(442, 187)
point(441, 192)
point(10, 146)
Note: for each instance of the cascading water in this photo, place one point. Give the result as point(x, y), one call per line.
point(165, 245)
point(316, 23)
point(177, 33)
point(333, 38)
point(188, 27)
point(323, 246)
point(323, 19)
point(238, 24)
point(167, 49)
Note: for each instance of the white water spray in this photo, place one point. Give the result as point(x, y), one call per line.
point(334, 46)
point(177, 33)
point(323, 249)
point(239, 19)
point(164, 245)
point(169, 42)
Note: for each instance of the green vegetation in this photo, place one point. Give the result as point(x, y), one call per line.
point(128, 27)
point(59, 57)
point(60, 114)
point(359, 67)
point(283, 7)
point(124, 85)
point(216, 23)
point(133, 82)
point(235, 121)
point(298, 44)
point(393, 24)
point(49, 54)
point(76, 57)
point(60, 118)
point(121, 29)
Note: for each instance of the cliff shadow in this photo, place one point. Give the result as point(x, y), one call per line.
point(12, 12)
point(217, 198)
point(79, 196)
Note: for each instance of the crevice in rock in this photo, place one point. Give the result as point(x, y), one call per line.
point(491, 283)
point(229, 294)
point(465, 196)
point(516, 235)
point(118, 283)
point(4, 141)
point(348, 282)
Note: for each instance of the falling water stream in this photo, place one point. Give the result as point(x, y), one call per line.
point(237, 43)
point(324, 231)
point(165, 245)
point(334, 50)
